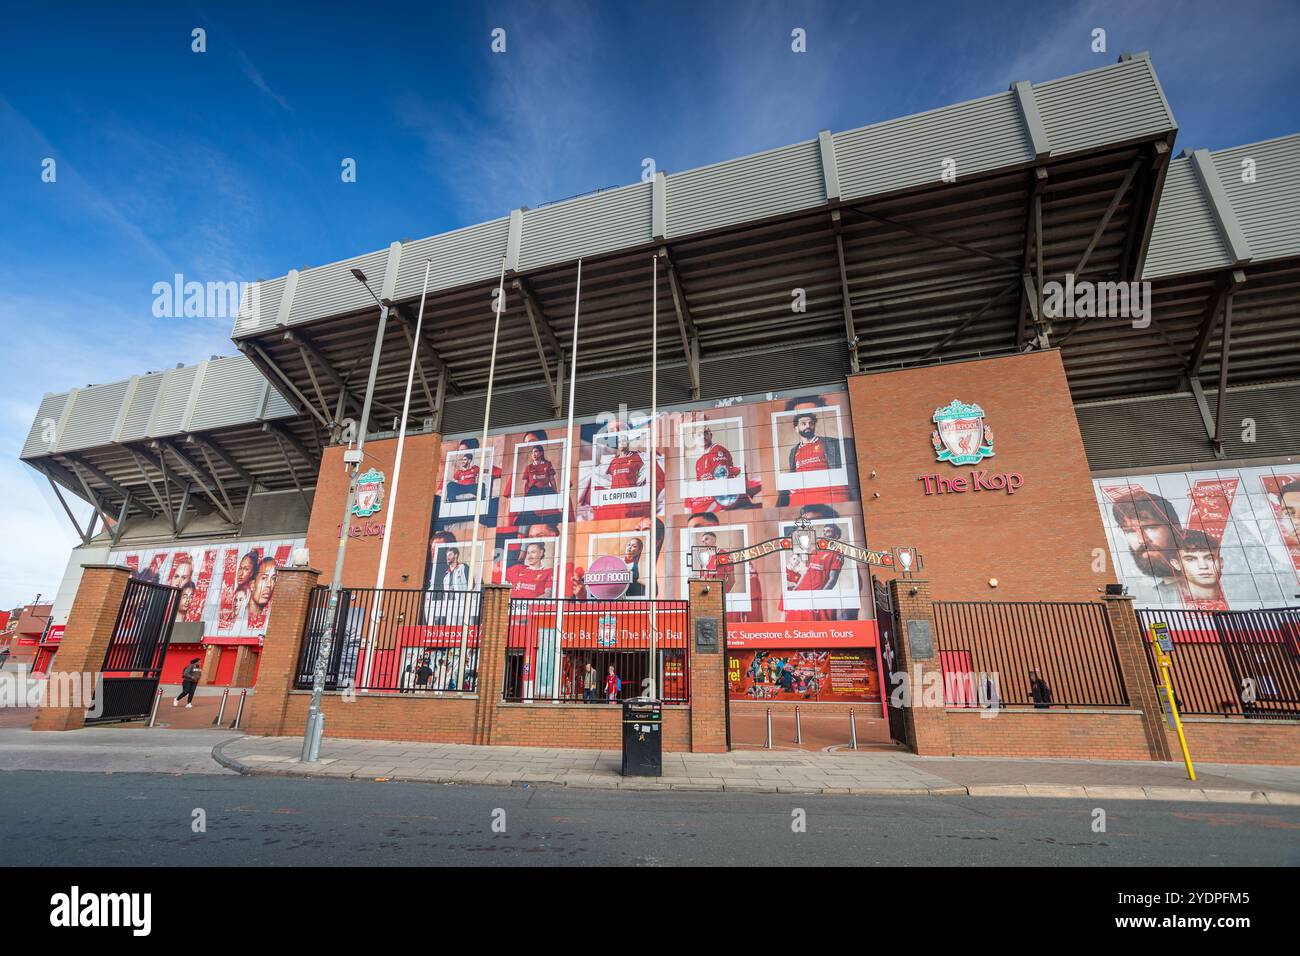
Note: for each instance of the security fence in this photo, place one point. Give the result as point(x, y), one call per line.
point(1027, 653)
point(595, 651)
point(1231, 663)
point(393, 639)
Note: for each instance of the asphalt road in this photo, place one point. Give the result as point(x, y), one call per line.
point(91, 819)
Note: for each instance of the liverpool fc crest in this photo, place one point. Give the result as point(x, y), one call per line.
point(961, 437)
point(370, 493)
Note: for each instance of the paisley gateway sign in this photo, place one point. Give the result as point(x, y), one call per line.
point(773, 545)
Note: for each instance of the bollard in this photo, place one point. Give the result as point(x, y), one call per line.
point(239, 711)
point(221, 710)
point(853, 730)
point(768, 745)
point(153, 714)
point(798, 728)
point(318, 731)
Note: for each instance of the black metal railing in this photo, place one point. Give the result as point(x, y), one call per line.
point(393, 639)
point(1231, 663)
point(550, 644)
point(997, 648)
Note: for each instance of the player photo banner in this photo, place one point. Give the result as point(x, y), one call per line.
point(239, 604)
point(1211, 540)
point(728, 476)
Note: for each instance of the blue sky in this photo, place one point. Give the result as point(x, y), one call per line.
point(225, 165)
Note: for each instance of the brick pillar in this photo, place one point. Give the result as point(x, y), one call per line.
point(265, 711)
point(927, 727)
point(708, 671)
point(245, 662)
point(1129, 639)
point(85, 642)
point(494, 622)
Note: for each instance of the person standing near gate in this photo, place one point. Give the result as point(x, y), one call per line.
point(189, 683)
point(590, 683)
point(612, 685)
point(1039, 691)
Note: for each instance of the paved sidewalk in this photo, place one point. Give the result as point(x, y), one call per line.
point(112, 749)
point(116, 749)
point(843, 772)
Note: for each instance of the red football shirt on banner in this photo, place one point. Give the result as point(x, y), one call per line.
point(526, 582)
point(540, 477)
point(715, 457)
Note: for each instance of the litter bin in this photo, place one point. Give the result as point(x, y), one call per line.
point(643, 737)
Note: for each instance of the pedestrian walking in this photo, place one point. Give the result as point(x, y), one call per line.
point(612, 685)
point(189, 683)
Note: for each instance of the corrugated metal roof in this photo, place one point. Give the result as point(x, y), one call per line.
point(1261, 183)
point(230, 394)
point(1268, 205)
point(1100, 108)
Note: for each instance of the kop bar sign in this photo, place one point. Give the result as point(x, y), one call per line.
point(960, 435)
point(370, 494)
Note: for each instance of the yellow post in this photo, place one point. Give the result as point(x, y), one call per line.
point(1157, 632)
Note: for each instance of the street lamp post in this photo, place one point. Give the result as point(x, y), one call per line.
point(352, 459)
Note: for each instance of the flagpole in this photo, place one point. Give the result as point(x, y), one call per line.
point(484, 471)
point(568, 468)
point(654, 467)
point(392, 492)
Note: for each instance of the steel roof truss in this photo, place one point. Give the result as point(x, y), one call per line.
point(537, 324)
point(1106, 217)
point(197, 474)
point(685, 323)
point(279, 373)
point(108, 480)
point(846, 300)
point(85, 538)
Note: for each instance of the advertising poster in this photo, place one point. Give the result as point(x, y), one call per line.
point(230, 587)
point(1206, 540)
point(828, 675)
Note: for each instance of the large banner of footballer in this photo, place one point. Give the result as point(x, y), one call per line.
point(1217, 540)
point(230, 587)
point(726, 474)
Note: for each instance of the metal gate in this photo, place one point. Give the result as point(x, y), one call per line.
point(133, 662)
point(887, 624)
point(1232, 663)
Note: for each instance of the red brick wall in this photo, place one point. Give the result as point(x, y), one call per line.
point(444, 720)
point(1224, 740)
point(1083, 734)
point(85, 640)
point(410, 531)
point(1039, 541)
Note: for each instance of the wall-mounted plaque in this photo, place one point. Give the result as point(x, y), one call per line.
point(706, 635)
point(920, 643)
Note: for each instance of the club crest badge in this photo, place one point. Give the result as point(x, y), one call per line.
point(370, 494)
point(960, 435)
point(607, 631)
